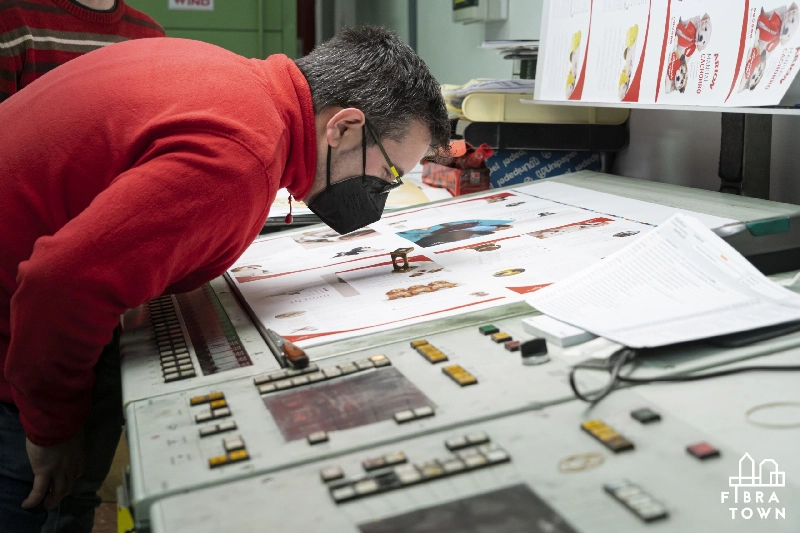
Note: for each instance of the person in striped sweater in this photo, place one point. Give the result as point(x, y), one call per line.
point(36, 36)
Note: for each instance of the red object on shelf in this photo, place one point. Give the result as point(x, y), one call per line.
point(457, 181)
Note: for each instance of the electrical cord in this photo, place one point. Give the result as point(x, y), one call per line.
point(624, 356)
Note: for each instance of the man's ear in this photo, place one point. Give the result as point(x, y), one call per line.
point(344, 128)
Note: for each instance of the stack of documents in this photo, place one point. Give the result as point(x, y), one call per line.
point(678, 283)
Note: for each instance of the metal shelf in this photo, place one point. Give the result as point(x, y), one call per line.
point(773, 110)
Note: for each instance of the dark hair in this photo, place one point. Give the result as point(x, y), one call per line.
point(371, 69)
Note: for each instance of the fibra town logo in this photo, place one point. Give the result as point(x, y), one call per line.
point(757, 497)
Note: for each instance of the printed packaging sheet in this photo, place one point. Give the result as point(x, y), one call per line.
point(675, 52)
point(314, 285)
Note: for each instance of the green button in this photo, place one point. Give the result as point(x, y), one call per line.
point(488, 330)
point(760, 228)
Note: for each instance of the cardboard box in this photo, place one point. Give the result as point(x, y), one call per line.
point(455, 180)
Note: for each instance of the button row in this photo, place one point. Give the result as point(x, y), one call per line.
point(428, 351)
point(401, 417)
point(607, 436)
point(636, 500)
point(176, 363)
point(207, 431)
point(232, 457)
point(208, 398)
point(390, 459)
point(500, 337)
point(384, 479)
point(288, 379)
point(465, 441)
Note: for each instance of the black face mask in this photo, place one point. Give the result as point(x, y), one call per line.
point(355, 202)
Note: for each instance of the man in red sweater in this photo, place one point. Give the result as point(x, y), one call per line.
point(36, 36)
point(148, 167)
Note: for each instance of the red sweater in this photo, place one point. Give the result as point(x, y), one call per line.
point(143, 167)
point(36, 36)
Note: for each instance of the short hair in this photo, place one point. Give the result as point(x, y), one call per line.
point(371, 69)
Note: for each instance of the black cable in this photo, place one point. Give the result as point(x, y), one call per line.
point(623, 356)
point(614, 365)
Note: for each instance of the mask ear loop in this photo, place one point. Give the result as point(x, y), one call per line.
point(328, 169)
point(364, 149)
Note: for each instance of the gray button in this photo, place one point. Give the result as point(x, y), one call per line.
point(202, 417)
point(229, 425)
point(300, 380)
point(348, 368)
point(422, 412)
point(209, 430)
point(316, 376)
point(364, 364)
point(331, 473)
point(332, 372)
point(221, 412)
point(233, 443)
point(404, 416)
point(267, 388)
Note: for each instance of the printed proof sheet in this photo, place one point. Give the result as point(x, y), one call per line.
point(677, 52)
point(314, 285)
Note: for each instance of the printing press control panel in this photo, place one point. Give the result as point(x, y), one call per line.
point(380, 394)
point(628, 464)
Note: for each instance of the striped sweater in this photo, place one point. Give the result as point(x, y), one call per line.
point(36, 36)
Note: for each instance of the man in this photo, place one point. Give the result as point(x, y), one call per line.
point(36, 36)
point(149, 167)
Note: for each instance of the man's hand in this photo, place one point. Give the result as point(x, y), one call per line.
point(55, 469)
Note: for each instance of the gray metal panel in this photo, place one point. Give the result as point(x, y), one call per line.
point(709, 202)
point(168, 456)
point(297, 500)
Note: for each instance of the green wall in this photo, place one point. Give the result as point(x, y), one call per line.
point(252, 28)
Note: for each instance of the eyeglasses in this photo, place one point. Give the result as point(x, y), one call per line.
point(397, 181)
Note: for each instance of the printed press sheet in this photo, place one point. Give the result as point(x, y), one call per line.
point(676, 52)
point(314, 285)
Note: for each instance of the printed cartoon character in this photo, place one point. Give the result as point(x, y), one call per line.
point(624, 84)
point(693, 35)
point(777, 26)
point(355, 251)
point(630, 50)
point(677, 73)
point(574, 60)
point(249, 270)
point(754, 68)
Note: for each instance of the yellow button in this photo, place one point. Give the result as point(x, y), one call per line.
point(216, 396)
point(197, 400)
point(605, 434)
point(459, 375)
point(436, 356)
point(592, 424)
point(218, 403)
point(421, 342)
point(238, 455)
point(501, 337)
point(218, 461)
